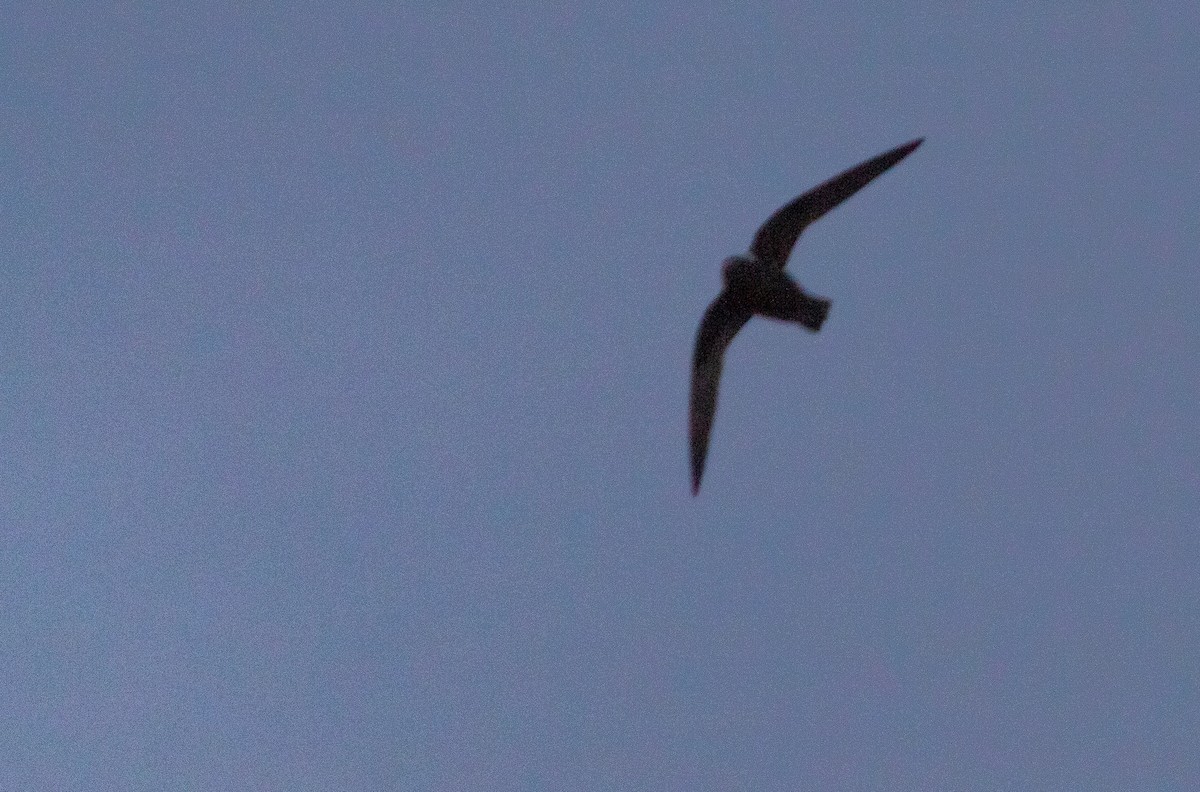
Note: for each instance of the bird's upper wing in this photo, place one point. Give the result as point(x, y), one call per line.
point(775, 239)
point(720, 324)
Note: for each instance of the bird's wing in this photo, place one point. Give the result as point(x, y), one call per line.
point(720, 324)
point(774, 241)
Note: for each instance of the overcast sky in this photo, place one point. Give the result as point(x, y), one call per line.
point(345, 355)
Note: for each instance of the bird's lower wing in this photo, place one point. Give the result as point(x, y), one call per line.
point(720, 324)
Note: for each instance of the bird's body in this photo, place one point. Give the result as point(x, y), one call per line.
point(766, 290)
point(757, 285)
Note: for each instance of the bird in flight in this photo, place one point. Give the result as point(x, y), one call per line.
point(757, 285)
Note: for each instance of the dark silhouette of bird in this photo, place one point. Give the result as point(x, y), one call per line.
point(757, 285)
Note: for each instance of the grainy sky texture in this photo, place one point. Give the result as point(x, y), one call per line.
point(345, 355)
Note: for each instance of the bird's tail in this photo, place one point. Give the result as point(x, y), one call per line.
point(811, 312)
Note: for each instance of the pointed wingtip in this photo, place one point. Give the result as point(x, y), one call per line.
point(900, 152)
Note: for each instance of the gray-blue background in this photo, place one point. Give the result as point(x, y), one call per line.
point(344, 352)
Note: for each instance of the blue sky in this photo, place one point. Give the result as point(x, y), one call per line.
point(345, 354)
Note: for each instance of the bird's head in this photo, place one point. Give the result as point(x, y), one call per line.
point(738, 268)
